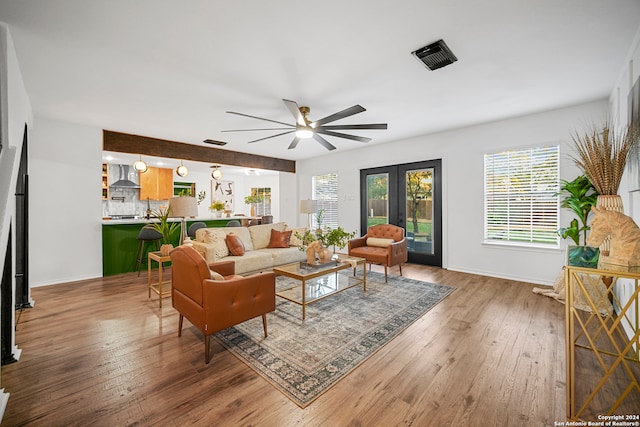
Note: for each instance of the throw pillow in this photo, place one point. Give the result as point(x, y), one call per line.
point(295, 240)
point(243, 234)
point(279, 239)
point(216, 239)
point(215, 275)
point(234, 244)
point(379, 242)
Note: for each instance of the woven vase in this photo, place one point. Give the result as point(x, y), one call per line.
point(609, 203)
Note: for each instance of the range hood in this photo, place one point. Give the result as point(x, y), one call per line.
point(124, 181)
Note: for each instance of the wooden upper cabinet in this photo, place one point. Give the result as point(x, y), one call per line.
point(156, 184)
point(165, 184)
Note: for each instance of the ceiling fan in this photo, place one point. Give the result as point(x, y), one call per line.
point(304, 128)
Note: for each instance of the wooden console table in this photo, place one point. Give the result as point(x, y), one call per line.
point(157, 286)
point(602, 344)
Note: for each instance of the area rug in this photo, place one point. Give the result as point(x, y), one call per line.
point(303, 359)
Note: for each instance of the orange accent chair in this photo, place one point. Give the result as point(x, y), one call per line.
point(214, 305)
point(383, 244)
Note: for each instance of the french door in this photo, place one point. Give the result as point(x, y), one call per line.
point(409, 196)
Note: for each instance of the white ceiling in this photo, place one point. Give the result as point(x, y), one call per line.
point(171, 69)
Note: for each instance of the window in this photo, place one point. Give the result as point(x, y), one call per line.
point(325, 191)
point(263, 207)
point(520, 196)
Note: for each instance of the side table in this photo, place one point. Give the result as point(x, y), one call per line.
point(157, 286)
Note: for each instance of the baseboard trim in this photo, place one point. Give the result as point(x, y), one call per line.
point(4, 399)
point(515, 278)
point(66, 280)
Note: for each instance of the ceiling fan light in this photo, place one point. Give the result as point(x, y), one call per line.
point(140, 166)
point(304, 132)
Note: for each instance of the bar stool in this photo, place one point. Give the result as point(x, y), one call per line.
point(146, 235)
point(191, 232)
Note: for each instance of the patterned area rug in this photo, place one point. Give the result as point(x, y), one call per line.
point(303, 359)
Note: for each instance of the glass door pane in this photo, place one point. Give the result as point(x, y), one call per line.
point(377, 199)
point(409, 196)
point(419, 198)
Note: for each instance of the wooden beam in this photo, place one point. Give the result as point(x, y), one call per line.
point(135, 144)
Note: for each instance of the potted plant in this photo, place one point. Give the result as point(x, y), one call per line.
point(601, 153)
point(166, 228)
point(335, 237)
point(319, 219)
point(252, 200)
point(579, 196)
point(217, 206)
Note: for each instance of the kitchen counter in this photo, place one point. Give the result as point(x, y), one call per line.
point(120, 243)
point(113, 221)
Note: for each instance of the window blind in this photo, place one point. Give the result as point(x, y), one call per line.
point(325, 191)
point(520, 196)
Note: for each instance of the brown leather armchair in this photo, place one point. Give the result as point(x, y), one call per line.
point(383, 244)
point(214, 305)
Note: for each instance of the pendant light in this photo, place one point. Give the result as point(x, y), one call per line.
point(182, 169)
point(140, 166)
point(216, 173)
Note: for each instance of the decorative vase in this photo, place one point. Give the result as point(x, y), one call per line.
point(582, 256)
point(166, 249)
point(325, 254)
point(218, 214)
point(609, 203)
point(253, 210)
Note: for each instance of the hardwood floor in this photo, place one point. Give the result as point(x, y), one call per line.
point(99, 352)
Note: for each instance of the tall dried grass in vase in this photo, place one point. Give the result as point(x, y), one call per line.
point(602, 154)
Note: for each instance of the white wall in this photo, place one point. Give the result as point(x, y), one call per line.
point(462, 152)
point(630, 194)
point(65, 202)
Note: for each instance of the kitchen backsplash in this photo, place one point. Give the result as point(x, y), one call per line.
point(124, 201)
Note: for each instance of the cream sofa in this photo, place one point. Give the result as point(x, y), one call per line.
point(211, 244)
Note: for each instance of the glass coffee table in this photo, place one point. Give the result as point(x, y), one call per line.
point(320, 281)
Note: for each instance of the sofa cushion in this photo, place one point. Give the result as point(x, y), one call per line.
point(252, 261)
point(279, 239)
point(371, 253)
point(234, 244)
point(283, 256)
point(261, 234)
point(215, 275)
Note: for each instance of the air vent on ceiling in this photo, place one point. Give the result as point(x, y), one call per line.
point(436, 55)
point(214, 142)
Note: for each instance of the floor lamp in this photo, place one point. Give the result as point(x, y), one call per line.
point(308, 207)
point(183, 207)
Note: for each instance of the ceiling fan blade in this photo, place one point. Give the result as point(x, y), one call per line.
point(249, 130)
point(355, 127)
point(260, 118)
point(344, 135)
point(294, 143)
point(324, 142)
point(295, 111)
point(272, 136)
point(339, 115)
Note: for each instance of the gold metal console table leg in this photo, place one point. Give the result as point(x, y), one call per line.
point(606, 334)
